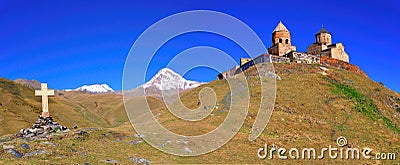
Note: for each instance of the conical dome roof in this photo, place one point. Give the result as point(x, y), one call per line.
point(280, 27)
point(323, 30)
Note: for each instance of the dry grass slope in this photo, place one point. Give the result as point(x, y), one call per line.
point(20, 107)
point(311, 110)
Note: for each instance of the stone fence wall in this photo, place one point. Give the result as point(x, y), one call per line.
point(324, 60)
point(298, 58)
point(279, 59)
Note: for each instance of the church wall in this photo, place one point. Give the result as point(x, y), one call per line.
point(281, 35)
point(338, 52)
point(314, 49)
point(281, 49)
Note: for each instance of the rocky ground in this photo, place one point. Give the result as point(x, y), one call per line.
point(44, 139)
point(67, 146)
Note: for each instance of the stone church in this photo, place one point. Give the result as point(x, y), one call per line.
point(282, 51)
point(282, 44)
point(323, 46)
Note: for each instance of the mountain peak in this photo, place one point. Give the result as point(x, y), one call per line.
point(167, 79)
point(167, 71)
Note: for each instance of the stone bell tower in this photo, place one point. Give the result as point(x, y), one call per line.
point(323, 37)
point(281, 41)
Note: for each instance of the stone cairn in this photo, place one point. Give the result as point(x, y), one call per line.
point(41, 128)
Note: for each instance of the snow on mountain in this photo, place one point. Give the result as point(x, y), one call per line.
point(164, 86)
point(167, 79)
point(95, 88)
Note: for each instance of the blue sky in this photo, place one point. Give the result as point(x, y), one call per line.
point(71, 43)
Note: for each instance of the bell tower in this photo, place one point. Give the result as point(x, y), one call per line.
point(323, 37)
point(281, 35)
point(281, 41)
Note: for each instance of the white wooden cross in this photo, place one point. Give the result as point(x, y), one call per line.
point(44, 92)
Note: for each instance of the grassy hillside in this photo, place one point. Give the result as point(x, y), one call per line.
point(20, 107)
point(312, 110)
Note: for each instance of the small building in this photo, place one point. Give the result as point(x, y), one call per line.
point(281, 41)
point(323, 46)
point(244, 61)
point(258, 60)
point(228, 74)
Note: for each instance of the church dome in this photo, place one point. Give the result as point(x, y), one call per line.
point(323, 30)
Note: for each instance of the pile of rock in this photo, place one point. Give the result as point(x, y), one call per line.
point(140, 160)
point(41, 128)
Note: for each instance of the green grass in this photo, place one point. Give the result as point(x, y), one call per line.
point(398, 102)
point(363, 104)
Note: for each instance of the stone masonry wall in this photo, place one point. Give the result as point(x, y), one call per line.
point(341, 64)
point(281, 35)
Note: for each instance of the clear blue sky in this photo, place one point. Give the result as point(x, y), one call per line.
point(71, 43)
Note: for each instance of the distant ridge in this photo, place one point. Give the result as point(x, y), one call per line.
point(33, 84)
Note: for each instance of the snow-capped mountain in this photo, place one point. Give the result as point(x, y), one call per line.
point(95, 88)
point(167, 79)
point(165, 83)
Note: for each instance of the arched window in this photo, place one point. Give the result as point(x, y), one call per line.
point(287, 41)
point(280, 40)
